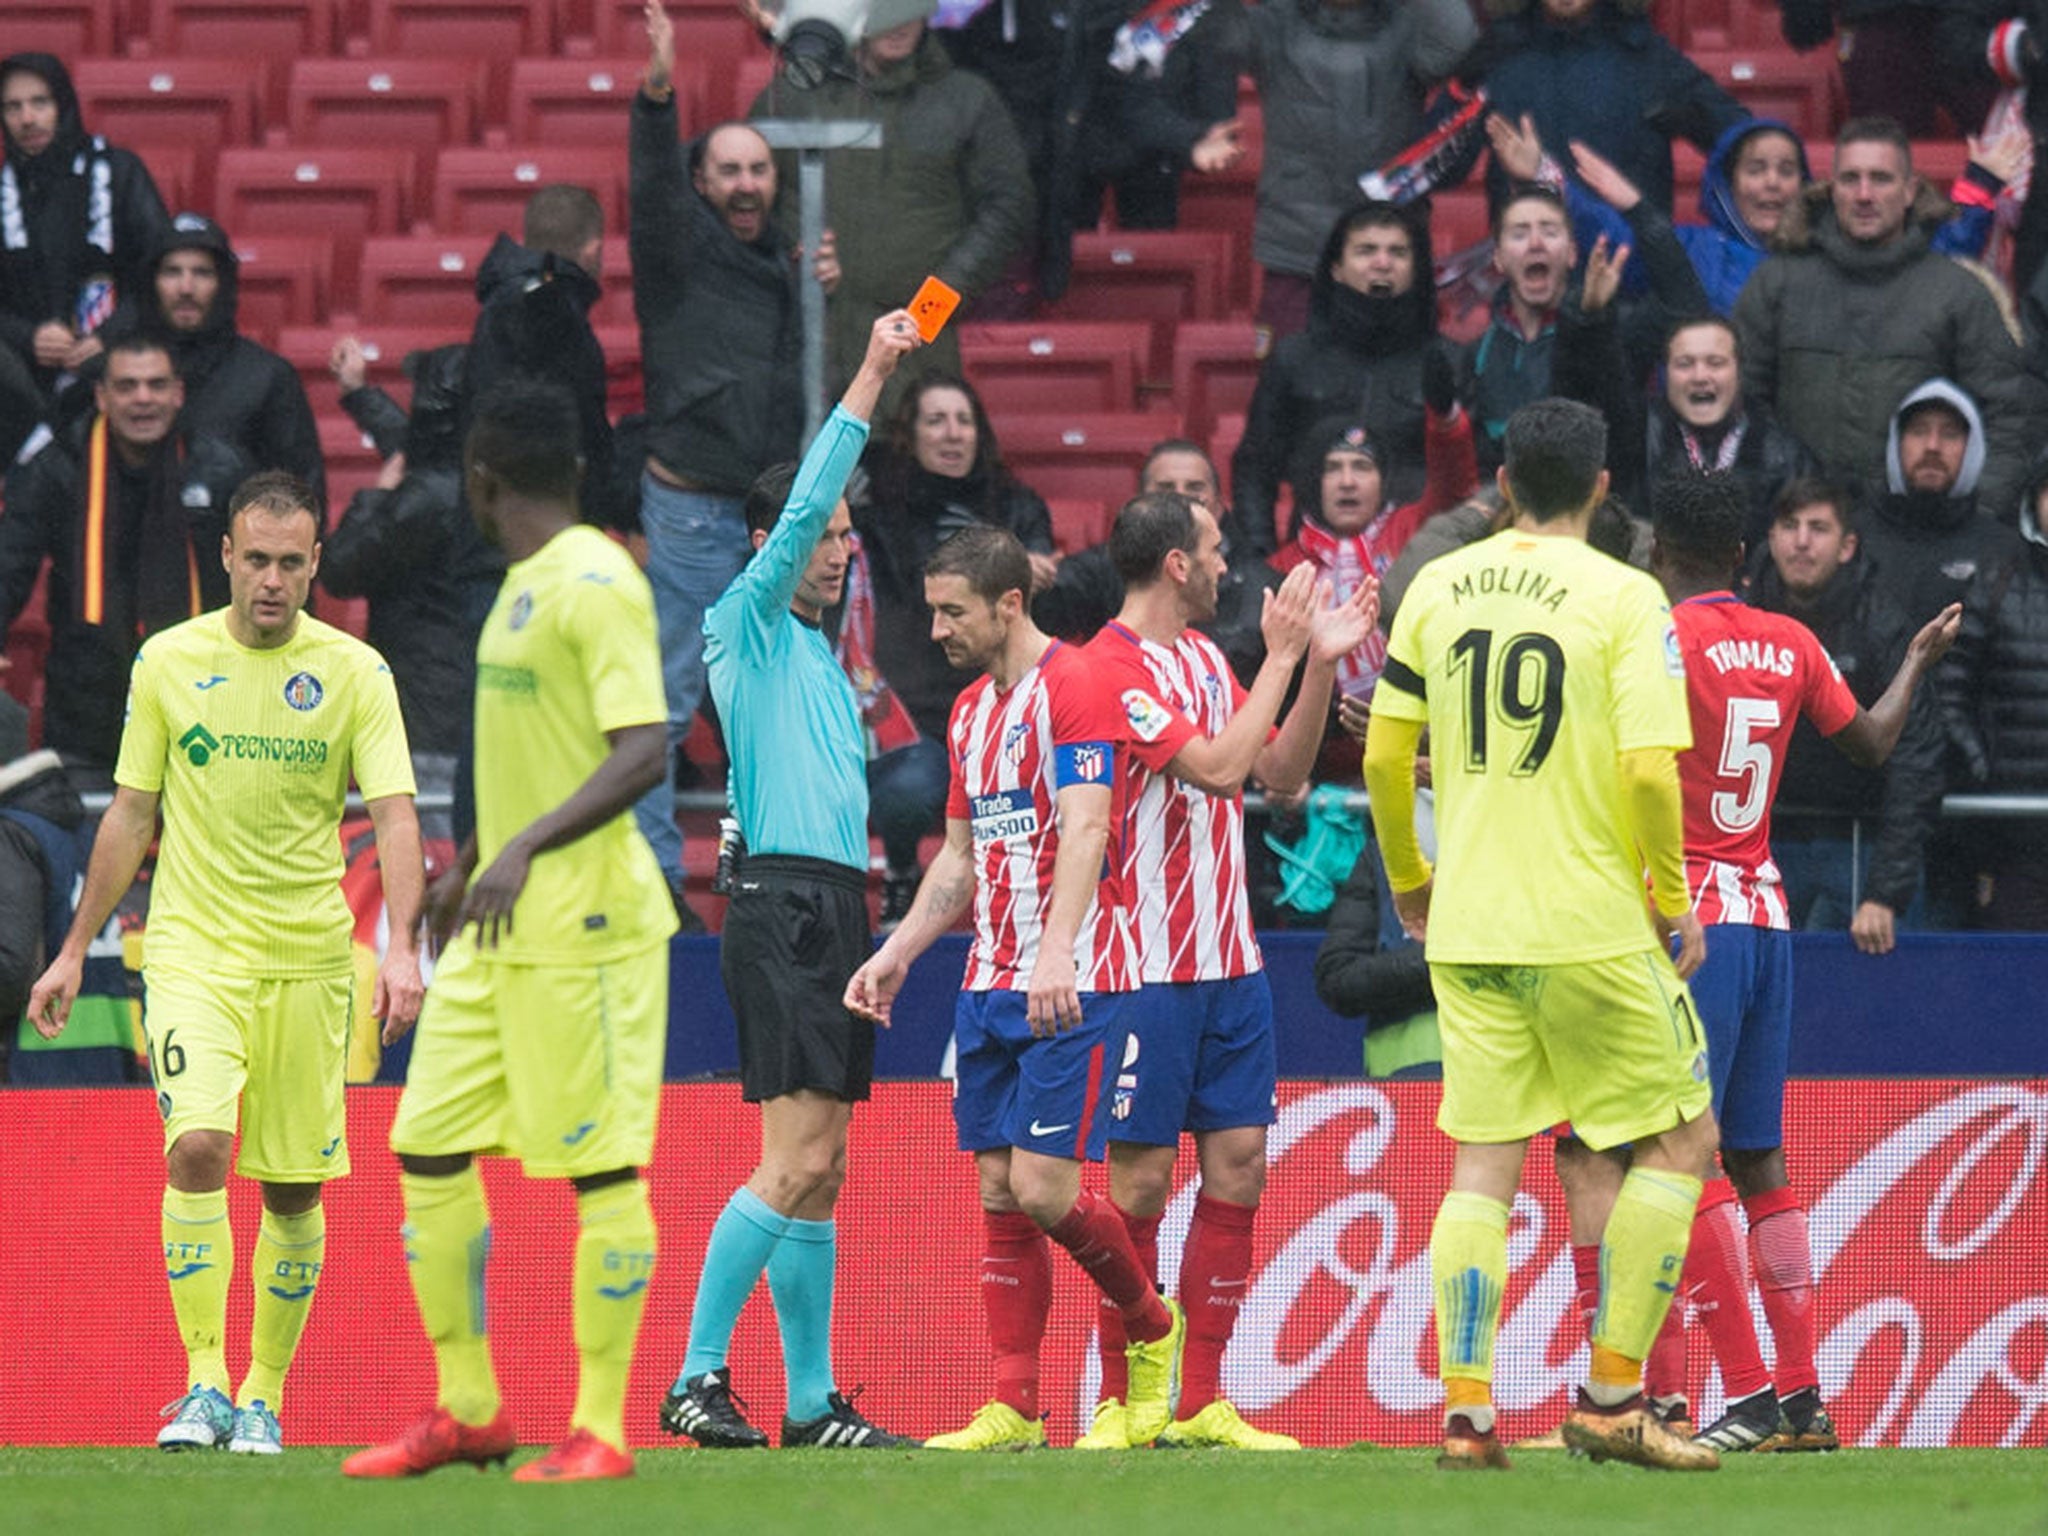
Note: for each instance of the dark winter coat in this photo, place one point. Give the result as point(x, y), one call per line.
point(236, 391)
point(907, 513)
point(41, 281)
point(1835, 334)
point(417, 555)
point(1360, 359)
point(947, 193)
point(1994, 683)
point(1342, 89)
point(721, 333)
point(1366, 966)
point(1765, 460)
point(1867, 636)
point(1609, 81)
point(86, 676)
point(536, 321)
point(1929, 551)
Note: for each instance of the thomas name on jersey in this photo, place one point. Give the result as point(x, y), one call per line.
point(1753, 656)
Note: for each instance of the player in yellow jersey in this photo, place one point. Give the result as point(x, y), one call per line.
point(1550, 681)
point(245, 726)
point(544, 1030)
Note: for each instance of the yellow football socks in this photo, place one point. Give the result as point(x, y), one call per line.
point(614, 1267)
point(286, 1268)
point(1642, 1254)
point(199, 1261)
point(1468, 1266)
point(447, 1242)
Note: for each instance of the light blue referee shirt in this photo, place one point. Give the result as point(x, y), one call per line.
point(798, 781)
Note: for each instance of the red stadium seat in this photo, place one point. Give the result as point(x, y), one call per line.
point(284, 280)
point(1083, 456)
point(470, 29)
point(484, 191)
point(71, 29)
point(267, 29)
point(343, 194)
point(175, 170)
point(422, 280)
point(27, 647)
point(749, 80)
point(1072, 365)
point(1079, 525)
point(1458, 219)
point(711, 43)
point(580, 101)
point(1215, 367)
point(406, 103)
point(1804, 90)
point(306, 348)
point(1164, 276)
point(209, 104)
point(351, 462)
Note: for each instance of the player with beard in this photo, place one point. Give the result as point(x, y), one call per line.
point(1201, 1055)
point(1034, 829)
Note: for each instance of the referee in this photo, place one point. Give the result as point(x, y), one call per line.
point(796, 930)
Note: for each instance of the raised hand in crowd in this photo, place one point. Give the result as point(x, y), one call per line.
point(1603, 179)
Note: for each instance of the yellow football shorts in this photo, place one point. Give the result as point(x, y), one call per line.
point(276, 1049)
point(558, 1066)
point(1614, 1046)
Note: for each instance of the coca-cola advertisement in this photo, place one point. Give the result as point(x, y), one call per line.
point(1928, 1201)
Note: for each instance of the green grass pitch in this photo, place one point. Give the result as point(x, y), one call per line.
point(827, 1493)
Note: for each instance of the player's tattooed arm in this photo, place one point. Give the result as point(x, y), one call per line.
point(942, 899)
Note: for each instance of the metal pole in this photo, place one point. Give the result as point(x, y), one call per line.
point(811, 141)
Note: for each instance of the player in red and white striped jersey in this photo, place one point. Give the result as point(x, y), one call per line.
point(1749, 675)
point(1201, 1057)
point(1033, 842)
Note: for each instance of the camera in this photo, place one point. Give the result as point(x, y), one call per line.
point(817, 37)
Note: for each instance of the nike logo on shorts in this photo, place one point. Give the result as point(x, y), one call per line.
point(1049, 1130)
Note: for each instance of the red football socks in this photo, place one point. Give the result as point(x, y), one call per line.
point(1783, 1254)
point(1717, 1272)
point(1109, 1325)
point(1016, 1295)
point(1215, 1270)
point(1094, 1234)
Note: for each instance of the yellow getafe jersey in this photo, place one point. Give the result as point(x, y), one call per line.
point(1536, 662)
point(252, 752)
point(568, 653)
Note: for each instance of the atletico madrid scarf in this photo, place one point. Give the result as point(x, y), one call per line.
point(888, 723)
point(1347, 560)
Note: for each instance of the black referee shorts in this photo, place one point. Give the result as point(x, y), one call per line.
point(795, 932)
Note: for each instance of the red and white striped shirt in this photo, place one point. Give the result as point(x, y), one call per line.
point(1011, 752)
point(1184, 863)
point(1748, 676)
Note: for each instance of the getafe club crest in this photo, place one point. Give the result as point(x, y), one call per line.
point(302, 691)
point(522, 610)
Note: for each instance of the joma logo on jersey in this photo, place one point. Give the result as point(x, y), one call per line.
point(200, 744)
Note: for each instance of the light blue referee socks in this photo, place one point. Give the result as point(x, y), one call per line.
point(742, 1239)
point(800, 1278)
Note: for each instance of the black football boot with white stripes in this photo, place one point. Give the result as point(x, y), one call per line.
point(707, 1410)
point(841, 1427)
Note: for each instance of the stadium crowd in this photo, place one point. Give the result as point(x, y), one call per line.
point(1853, 365)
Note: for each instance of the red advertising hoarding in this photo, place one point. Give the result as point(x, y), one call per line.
point(1929, 1214)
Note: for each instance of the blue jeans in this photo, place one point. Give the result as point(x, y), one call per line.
point(906, 798)
point(696, 544)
